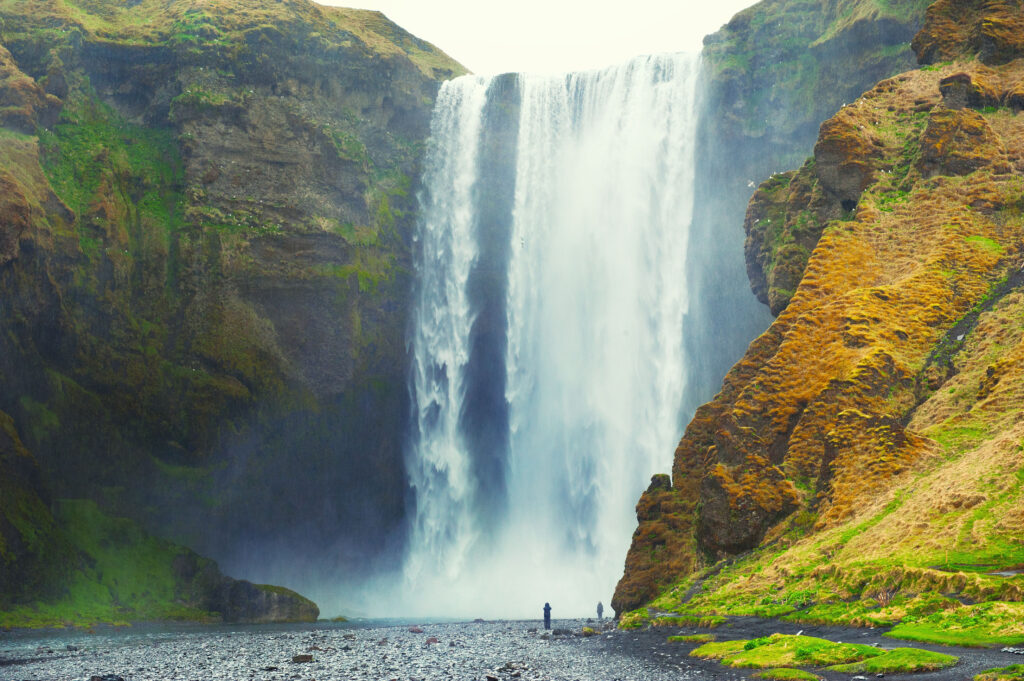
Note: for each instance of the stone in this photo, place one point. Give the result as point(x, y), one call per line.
point(958, 142)
point(415, 630)
point(302, 659)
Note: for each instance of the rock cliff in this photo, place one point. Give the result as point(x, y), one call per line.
point(772, 75)
point(206, 213)
point(864, 454)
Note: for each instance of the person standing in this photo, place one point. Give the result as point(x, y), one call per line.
point(547, 615)
point(600, 610)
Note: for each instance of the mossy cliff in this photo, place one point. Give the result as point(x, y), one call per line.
point(205, 249)
point(772, 75)
point(864, 456)
point(67, 563)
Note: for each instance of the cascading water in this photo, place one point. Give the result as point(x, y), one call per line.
point(548, 337)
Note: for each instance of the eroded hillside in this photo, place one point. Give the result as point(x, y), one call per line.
point(865, 455)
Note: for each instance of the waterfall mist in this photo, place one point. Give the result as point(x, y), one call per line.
point(548, 362)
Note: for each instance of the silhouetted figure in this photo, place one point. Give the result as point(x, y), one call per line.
point(547, 615)
point(600, 610)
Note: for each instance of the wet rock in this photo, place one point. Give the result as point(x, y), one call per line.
point(415, 630)
point(432, 640)
point(301, 659)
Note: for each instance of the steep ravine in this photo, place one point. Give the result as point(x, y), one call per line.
point(205, 251)
point(862, 464)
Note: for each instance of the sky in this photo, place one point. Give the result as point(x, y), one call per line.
point(554, 36)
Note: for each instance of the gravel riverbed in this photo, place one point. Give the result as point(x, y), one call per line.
point(484, 651)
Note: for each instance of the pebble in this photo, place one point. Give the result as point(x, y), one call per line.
point(498, 651)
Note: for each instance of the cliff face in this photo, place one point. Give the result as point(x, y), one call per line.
point(865, 451)
point(773, 74)
point(205, 242)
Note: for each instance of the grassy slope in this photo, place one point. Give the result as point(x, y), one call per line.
point(229, 23)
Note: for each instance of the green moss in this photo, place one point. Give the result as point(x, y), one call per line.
point(781, 651)
point(93, 150)
point(900, 660)
point(634, 619)
point(39, 418)
point(123, 575)
point(692, 638)
point(717, 650)
point(1014, 672)
point(985, 244)
point(978, 625)
point(707, 622)
point(787, 674)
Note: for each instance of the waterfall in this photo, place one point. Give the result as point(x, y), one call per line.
point(548, 363)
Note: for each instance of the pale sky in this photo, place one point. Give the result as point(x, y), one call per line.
point(548, 36)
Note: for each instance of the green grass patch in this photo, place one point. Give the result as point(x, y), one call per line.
point(984, 624)
point(986, 244)
point(1014, 672)
point(900, 660)
point(783, 651)
point(717, 650)
point(634, 619)
point(692, 638)
point(706, 622)
point(786, 674)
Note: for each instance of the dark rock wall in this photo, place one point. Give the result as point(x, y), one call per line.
point(205, 263)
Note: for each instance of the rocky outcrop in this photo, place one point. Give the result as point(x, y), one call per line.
point(206, 263)
point(905, 232)
point(241, 601)
point(993, 32)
